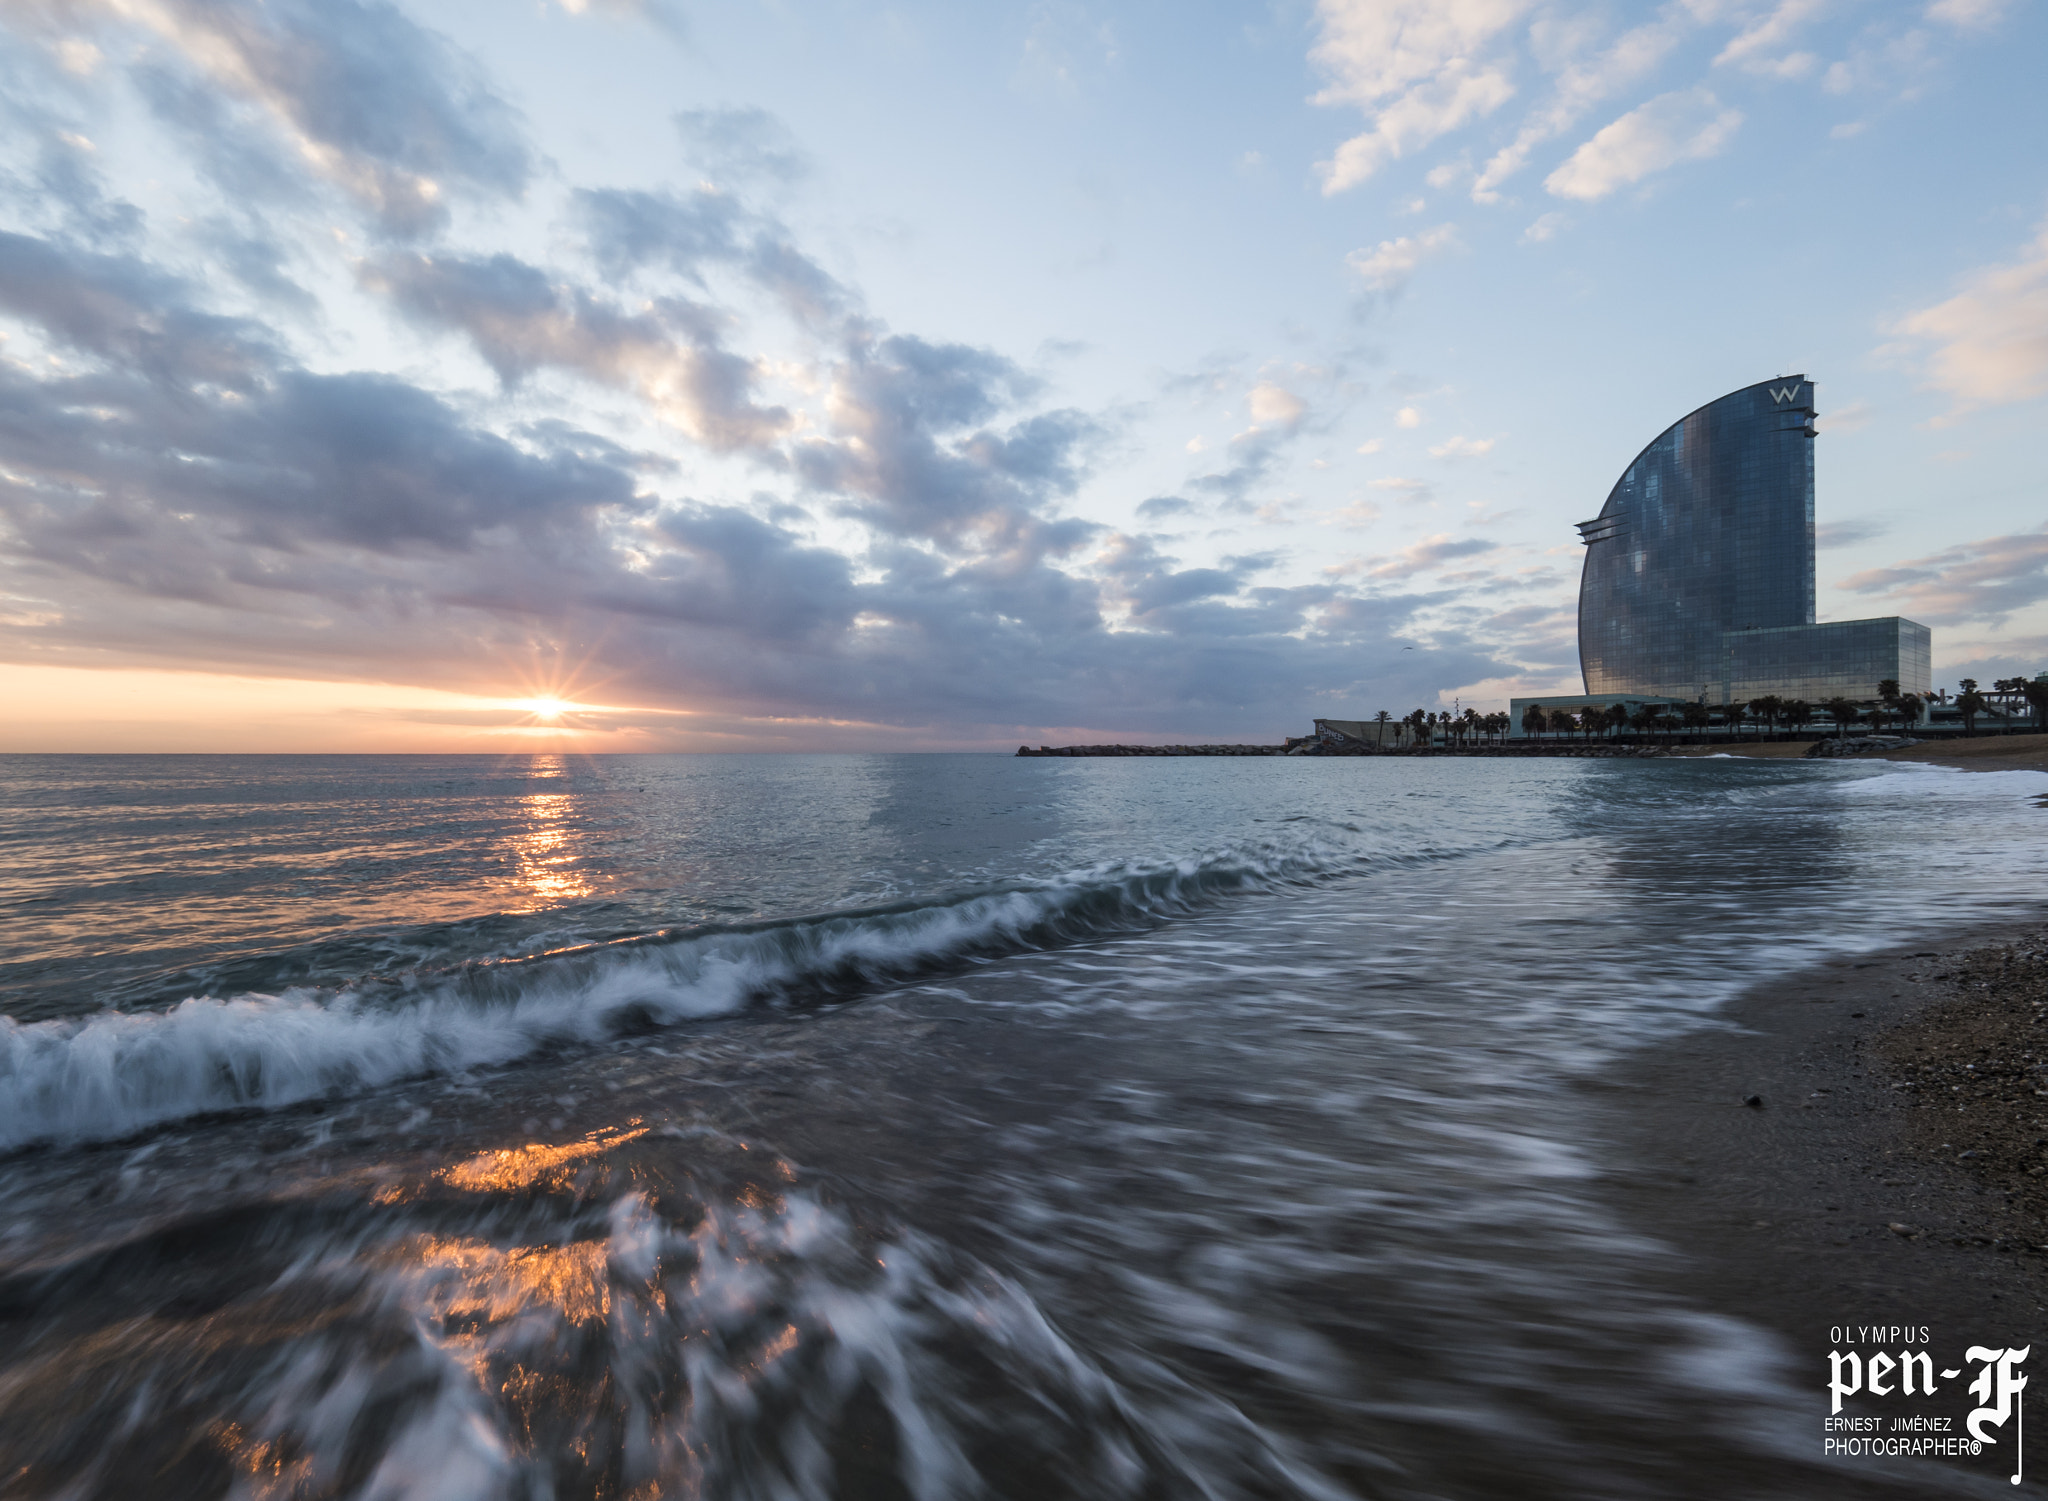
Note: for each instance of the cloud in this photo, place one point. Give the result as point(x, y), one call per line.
point(1850, 417)
point(1580, 86)
point(1412, 68)
point(1409, 417)
point(1431, 552)
point(520, 321)
point(1987, 345)
point(1545, 228)
point(1678, 127)
point(1463, 448)
point(1758, 48)
point(1275, 406)
point(914, 450)
point(690, 234)
point(873, 530)
point(1968, 15)
point(1387, 266)
point(375, 105)
point(741, 145)
point(1983, 581)
point(1402, 485)
point(1847, 533)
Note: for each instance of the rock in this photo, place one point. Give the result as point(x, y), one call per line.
point(1908, 1231)
point(1753, 1101)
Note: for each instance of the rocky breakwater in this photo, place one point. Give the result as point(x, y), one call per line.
point(1862, 745)
point(1153, 750)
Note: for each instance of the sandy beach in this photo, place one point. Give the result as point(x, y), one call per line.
point(1857, 1144)
point(1987, 753)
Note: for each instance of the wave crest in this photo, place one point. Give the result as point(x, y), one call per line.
point(111, 1074)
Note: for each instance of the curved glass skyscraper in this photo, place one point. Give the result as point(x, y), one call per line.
point(1699, 579)
point(1708, 530)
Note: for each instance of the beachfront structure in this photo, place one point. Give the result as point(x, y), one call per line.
point(1699, 574)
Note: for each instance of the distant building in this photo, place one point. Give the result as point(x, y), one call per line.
point(1699, 577)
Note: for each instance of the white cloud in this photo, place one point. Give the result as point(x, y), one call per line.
point(1370, 445)
point(1847, 418)
point(1358, 513)
point(1401, 485)
point(1387, 267)
point(1969, 14)
point(1684, 126)
point(1413, 68)
point(1758, 47)
point(1196, 445)
point(1408, 417)
point(1430, 552)
point(1990, 341)
point(1580, 86)
point(1545, 228)
point(1275, 406)
point(1459, 447)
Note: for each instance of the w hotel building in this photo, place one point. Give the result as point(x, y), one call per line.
point(1699, 570)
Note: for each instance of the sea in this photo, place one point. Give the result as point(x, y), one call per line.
point(901, 1126)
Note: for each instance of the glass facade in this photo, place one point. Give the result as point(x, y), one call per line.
point(1708, 531)
point(1842, 659)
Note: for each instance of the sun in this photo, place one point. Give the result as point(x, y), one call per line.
point(545, 708)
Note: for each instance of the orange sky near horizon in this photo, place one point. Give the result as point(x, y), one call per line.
point(52, 709)
point(126, 709)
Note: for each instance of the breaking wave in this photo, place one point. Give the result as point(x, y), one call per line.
point(113, 1073)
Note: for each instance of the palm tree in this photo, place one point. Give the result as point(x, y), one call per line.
point(1844, 710)
point(1909, 709)
point(1798, 713)
point(1533, 720)
point(1644, 719)
point(1617, 717)
point(1768, 708)
point(1970, 703)
point(2036, 695)
point(1696, 716)
point(1731, 718)
point(1380, 719)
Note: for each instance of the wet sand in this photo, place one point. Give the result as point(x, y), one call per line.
point(1844, 1197)
point(1987, 753)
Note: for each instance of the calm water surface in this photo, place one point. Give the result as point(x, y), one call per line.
point(895, 1126)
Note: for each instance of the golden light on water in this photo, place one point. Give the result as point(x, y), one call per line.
point(535, 1165)
point(547, 850)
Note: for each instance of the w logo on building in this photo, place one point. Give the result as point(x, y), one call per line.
point(1783, 394)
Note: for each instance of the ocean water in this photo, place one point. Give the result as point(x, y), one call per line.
point(897, 1126)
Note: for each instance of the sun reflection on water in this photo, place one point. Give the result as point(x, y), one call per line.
point(547, 852)
point(535, 1165)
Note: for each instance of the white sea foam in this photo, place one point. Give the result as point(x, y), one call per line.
point(112, 1073)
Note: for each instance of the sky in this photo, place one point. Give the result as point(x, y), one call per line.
point(495, 375)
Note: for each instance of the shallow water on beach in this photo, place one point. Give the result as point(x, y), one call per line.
point(890, 1126)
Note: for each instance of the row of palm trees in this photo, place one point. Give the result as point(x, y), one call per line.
point(1769, 713)
point(2008, 697)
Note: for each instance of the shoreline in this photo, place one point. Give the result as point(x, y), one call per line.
point(1843, 1200)
point(1983, 753)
